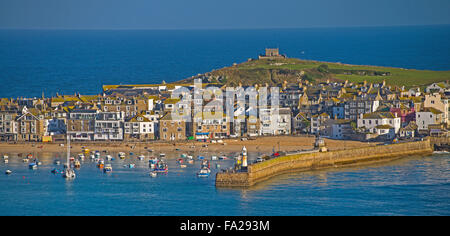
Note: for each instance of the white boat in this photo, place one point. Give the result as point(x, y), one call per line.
point(223, 158)
point(121, 155)
point(162, 155)
point(141, 157)
point(8, 172)
point(81, 156)
point(68, 173)
point(108, 157)
point(108, 168)
point(6, 161)
point(204, 172)
point(190, 157)
point(25, 160)
point(183, 166)
point(39, 163)
point(5, 156)
point(92, 156)
point(214, 158)
point(153, 174)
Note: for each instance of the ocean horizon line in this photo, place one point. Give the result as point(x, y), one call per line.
point(220, 29)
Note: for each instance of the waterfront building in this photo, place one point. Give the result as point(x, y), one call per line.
point(171, 128)
point(139, 128)
point(377, 122)
point(109, 126)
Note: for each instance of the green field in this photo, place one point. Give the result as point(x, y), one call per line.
point(259, 71)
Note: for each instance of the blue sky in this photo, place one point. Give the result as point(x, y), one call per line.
point(214, 14)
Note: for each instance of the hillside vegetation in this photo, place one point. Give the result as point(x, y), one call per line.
point(275, 72)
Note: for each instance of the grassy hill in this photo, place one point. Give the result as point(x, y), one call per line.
point(274, 72)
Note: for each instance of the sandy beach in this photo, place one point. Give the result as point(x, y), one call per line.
point(260, 144)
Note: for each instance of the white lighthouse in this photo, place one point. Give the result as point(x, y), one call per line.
point(244, 158)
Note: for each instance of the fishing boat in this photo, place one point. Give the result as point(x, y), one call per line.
point(204, 172)
point(92, 156)
point(162, 155)
point(109, 157)
point(223, 158)
point(81, 156)
point(190, 157)
point(97, 154)
point(100, 163)
point(6, 161)
point(180, 160)
point(57, 162)
point(183, 166)
point(68, 172)
point(107, 169)
point(184, 155)
point(214, 158)
point(5, 156)
point(8, 172)
point(32, 166)
point(25, 160)
point(153, 174)
point(141, 157)
point(38, 163)
point(121, 155)
point(205, 164)
point(131, 166)
point(200, 157)
point(29, 156)
point(161, 167)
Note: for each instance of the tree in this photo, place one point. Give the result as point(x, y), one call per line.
point(323, 68)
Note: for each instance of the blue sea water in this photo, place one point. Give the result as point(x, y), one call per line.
point(69, 61)
point(411, 186)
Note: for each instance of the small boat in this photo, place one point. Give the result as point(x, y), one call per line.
point(204, 172)
point(25, 160)
point(32, 166)
point(5, 156)
point(72, 159)
point(92, 156)
point(56, 171)
point(86, 150)
point(153, 174)
point(121, 155)
point(162, 155)
point(217, 166)
point(100, 163)
point(29, 156)
point(141, 157)
point(39, 163)
point(200, 157)
point(214, 158)
point(190, 157)
point(223, 158)
point(97, 154)
point(8, 172)
point(131, 166)
point(109, 157)
point(205, 164)
point(183, 166)
point(161, 167)
point(184, 155)
point(69, 173)
point(57, 162)
point(180, 161)
point(108, 168)
point(77, 164)
point(6, 161)
point(190, 161)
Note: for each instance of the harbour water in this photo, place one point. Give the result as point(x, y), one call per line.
point(410, 186)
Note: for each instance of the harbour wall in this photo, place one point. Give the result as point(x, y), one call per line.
point(311, 161)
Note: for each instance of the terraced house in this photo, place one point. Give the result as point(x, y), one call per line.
point(139, 128)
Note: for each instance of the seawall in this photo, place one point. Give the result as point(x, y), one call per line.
point(310, 161)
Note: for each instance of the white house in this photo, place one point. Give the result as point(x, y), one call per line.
point(370, 121)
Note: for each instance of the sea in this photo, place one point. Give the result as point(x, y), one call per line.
point(46, 62)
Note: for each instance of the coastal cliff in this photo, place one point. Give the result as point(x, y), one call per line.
point(311, 161)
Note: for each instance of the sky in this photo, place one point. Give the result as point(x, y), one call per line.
point(215, 14)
